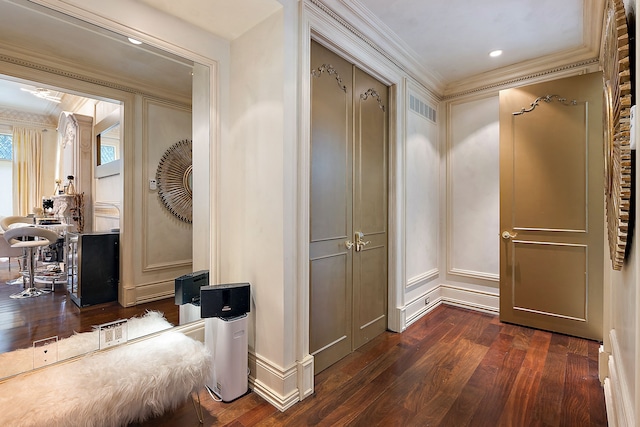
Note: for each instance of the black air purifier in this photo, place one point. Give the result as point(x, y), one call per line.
point(188, 287)
point(225, 301)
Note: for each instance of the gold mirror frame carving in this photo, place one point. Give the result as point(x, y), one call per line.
point(174, 178)
point(617, 121)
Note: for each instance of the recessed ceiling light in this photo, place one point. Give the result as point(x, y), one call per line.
point(495, 53)
point(134, 41)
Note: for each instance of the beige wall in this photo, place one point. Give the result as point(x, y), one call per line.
point(157, 244)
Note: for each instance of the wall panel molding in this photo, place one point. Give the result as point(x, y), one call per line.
point(472, 194)
point(470, 274)
point(149, 264)
point(423, 278)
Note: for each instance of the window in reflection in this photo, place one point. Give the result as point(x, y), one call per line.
point(108, 145)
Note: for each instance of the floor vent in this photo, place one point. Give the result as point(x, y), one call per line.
point(422, 108)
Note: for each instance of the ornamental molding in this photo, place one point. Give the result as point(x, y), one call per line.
point(15, 117)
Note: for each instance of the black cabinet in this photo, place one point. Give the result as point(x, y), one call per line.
point(93, 267)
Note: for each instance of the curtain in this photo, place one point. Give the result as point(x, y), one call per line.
point(27, 170)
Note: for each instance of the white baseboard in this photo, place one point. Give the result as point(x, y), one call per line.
point(472, 299)
point(420, 306)
point(305, 377)
point(620, 409)
point(608, 401)
point(280, 387)
point(284, 387)
point(276, 385)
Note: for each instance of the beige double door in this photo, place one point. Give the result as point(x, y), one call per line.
point(348, 212)
point(552, 206)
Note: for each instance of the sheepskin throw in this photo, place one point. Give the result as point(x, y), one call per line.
point(126, 384)
point(18, 361)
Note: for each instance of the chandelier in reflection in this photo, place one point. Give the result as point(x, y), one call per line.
point(43, 93)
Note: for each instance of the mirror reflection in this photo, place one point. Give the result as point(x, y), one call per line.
point(103, 116)
point(109, 145)
point(188, 181)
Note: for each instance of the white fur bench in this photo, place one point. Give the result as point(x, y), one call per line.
point(129, 383)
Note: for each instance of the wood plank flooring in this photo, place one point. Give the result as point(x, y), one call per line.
point(23, 321)
point(453, 367)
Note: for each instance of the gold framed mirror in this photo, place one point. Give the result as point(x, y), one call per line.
point(174, 179)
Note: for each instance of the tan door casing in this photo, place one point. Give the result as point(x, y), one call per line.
point(348, 227)
point(552, 206)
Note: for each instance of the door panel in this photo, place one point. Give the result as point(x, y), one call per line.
point(563, 265)
point(370, 208)
point(330, 300)
point(552, 206)
point(330, 318)
point(370, 287)
point(348, 281)
point(550, 190)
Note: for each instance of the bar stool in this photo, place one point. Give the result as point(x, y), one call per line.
point(19, 238)
point(11, 222)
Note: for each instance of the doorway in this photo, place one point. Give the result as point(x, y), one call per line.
point(349, 191)
point(552, 206)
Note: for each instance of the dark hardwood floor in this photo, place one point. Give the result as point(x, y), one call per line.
point(23, 321)
point(453, 367)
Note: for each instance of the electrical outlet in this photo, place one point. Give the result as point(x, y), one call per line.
point(45, 352)
point(426, 301)
point(153, 184)
point(113, 333)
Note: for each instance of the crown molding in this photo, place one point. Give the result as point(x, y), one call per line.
point(20, 118)
point(35, 60)
point(586, 56)
point(513, 76)
point(357, 19)
point(354, 17)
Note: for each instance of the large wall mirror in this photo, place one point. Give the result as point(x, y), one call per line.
point(106, 63)
point(108, 145)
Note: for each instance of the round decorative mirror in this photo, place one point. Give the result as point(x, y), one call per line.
point(617, 114)
point(174, 178)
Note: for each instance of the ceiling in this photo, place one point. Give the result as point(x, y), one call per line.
point(452, 38)
point(75, 42)
point(448, 40)
point(444, 41)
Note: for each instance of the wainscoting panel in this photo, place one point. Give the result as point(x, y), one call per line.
point(473, 189)
point(422, 216)
point(167, 239)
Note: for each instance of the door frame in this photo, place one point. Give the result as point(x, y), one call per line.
point(344, 43)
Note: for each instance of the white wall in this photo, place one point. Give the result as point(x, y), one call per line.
point(473, 190)
point(620, 359)
point(422, 208)
point(252, 217)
